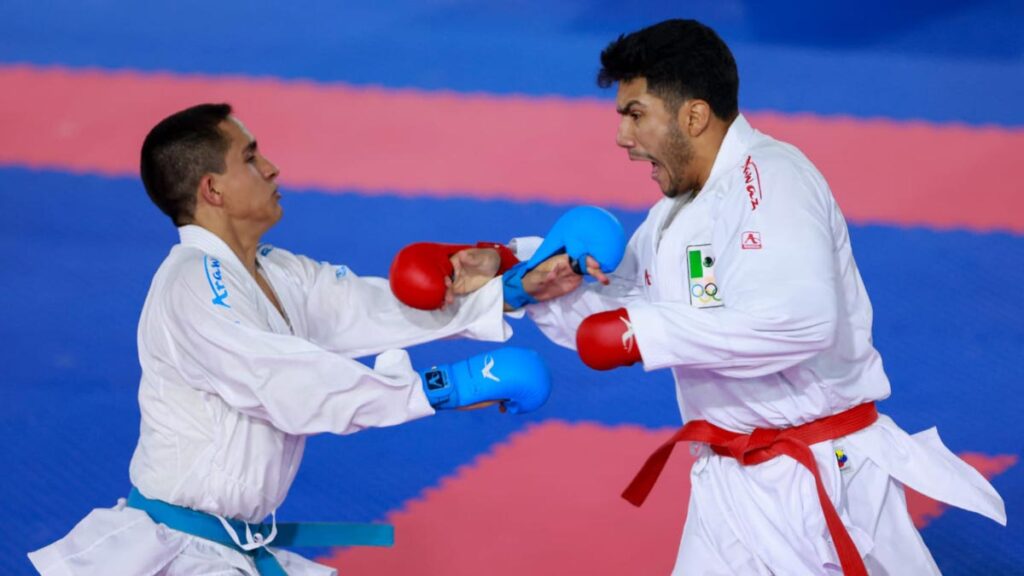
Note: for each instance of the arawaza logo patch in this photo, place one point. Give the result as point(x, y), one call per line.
point(216, 279)
point(486, 371)
point(628, 337)
point(751, 240)
point(436, 379)
point(752, 181)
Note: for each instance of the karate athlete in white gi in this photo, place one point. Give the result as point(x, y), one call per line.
point(742, 281)
point(247, 349)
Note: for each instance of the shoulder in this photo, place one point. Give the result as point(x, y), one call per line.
point(190, 272)
point(771, 172)
point(277, 256)
point(298, 267)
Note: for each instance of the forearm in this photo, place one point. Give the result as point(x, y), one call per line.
point(559, 319)
point(371, 320)
point(732, 342)
point(293, 384)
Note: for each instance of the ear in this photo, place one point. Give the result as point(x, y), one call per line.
point(694, 117)
point(207, 193)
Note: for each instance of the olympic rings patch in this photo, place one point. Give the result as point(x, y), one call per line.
point(700, 263)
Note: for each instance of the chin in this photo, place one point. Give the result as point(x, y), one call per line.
point(676, 189)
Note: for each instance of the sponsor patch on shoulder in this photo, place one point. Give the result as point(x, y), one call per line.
point(266, 249)
point(215, 277)
point(700, 263)
point(752, 182)
point(341, 271)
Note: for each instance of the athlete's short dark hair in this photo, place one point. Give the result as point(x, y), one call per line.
point(176, 154)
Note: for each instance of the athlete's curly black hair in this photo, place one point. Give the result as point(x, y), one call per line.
point(681, 59)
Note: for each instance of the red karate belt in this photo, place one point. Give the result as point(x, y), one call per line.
point(762, 445)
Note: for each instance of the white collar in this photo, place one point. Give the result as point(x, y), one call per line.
point(734, 146)
point(198, 237)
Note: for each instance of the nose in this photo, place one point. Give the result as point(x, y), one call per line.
point(624, 135)
point(269, 170)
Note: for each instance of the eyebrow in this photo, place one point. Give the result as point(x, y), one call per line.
point(250, 147)
point(623, 110)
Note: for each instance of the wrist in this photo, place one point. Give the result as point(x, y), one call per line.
point(505, 254)
point(515, 294)
point(439, 387)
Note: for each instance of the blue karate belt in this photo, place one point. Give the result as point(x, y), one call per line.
point(210, 527)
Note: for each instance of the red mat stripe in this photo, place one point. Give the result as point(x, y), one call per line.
point(372, 140)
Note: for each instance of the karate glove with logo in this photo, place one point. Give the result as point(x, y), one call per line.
point(517, 377)
point(582, 231)
point(419, 271)
point(605, 340)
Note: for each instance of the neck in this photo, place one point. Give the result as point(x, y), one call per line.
point(242, 240)
point(707, 152)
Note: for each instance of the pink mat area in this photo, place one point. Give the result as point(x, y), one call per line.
point(547, 502)
point(444, 144)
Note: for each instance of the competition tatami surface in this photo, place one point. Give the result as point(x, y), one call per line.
point(461, 121)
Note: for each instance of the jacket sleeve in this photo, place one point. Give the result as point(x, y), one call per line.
point(299, 387)
point(779, 287)
point(559, 318)
point(357, 316)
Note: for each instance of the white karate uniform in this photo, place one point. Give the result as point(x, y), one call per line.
point(749, 293)
point(230, 389)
